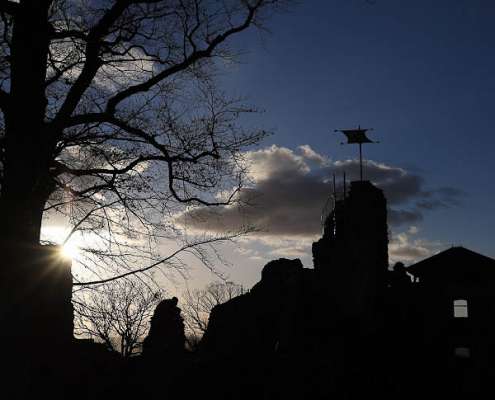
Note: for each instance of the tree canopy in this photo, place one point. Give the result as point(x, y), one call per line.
point(111, 116)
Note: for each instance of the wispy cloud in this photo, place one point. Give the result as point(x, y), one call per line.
point(408, 248)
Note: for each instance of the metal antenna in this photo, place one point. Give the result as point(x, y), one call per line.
point(357, 136)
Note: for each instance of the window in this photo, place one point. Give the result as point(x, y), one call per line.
point(460, 309)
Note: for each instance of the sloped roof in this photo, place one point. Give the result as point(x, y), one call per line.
point(454, 261)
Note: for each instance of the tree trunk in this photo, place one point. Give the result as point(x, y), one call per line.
point(27, 150)
point(24, 267)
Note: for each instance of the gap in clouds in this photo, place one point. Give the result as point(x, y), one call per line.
point(289, 189)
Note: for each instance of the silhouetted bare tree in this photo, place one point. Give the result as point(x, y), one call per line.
point(111, 117)
point(117, 314)
point(198, 303)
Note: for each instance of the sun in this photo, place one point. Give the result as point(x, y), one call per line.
point(70, 250)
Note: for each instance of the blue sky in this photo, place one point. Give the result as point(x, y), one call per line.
point(421, 73)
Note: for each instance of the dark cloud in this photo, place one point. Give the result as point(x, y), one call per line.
point(290, 189)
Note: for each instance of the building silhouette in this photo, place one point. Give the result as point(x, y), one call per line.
point(354, 327)
point(453, 298)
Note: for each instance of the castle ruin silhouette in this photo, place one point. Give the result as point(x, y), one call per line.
point(353, 327)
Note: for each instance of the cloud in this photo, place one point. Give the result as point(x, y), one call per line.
point(309, 154)
point(262, 249)
point(276, 163)
point(402, 217)
point(290, 188)
point(407, 248)
point(130, 67)
point(413, 230)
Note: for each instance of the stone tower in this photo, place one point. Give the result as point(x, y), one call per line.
point(351, 259)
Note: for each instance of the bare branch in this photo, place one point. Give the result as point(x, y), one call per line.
point(162, 261)
point(186, 63)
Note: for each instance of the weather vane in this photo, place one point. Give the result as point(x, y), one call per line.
point(357, 136)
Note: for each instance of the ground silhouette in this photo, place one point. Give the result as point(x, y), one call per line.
point(349, 327)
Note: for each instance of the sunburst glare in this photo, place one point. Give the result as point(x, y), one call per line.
point(70, 250)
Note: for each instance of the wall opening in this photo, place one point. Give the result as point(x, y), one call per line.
point(460, 308)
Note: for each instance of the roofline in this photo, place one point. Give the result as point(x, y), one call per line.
point(415, 268)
